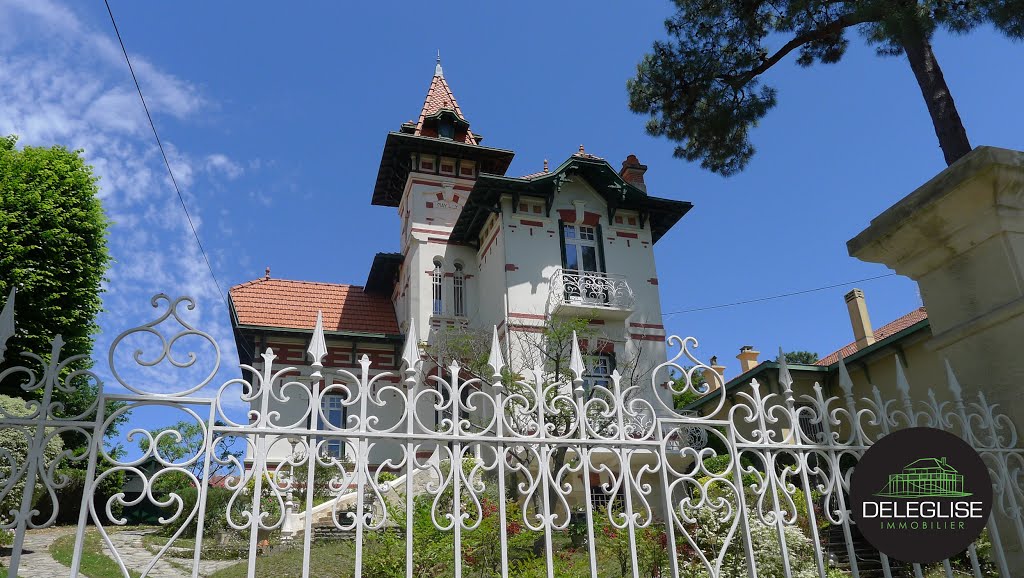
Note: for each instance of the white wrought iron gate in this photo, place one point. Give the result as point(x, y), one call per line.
point(506, 476)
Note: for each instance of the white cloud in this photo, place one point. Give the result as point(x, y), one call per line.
point(220, 163)
point(62, 81)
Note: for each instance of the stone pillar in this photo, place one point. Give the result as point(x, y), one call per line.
point(961, 237)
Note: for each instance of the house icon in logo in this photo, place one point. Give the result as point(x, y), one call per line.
point(925, 478)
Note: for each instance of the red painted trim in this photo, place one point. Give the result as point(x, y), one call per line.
point(567, 215)
point(648, 325)
point(526, 328)
point(438, 183)
point(596, 322)
point(641, 337)
point(531, 223)
point(606, 348)
point(493, 237)
point(528, 316)
point(653, 280)
point(434, 231)
point(626, 235)
point(591, 218)
point(511, 267)
point(430, 205)
point(455, 198)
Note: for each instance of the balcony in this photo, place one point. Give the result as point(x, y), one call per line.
point(581, 293)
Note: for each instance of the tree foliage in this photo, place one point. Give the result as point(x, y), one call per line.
point(184, 443)
point(54, 251)
point(14, 446)
point(702, 86)
point(801, 357)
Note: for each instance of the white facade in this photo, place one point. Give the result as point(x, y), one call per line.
point(480, 250)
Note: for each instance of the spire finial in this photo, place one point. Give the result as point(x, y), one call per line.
point(267, 274)
point(437, 68)
point(545, 165)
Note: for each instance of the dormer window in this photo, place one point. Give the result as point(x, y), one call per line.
point(445, 128)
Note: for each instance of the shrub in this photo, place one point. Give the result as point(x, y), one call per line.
point(710, 532)
point(14, 445)
point(215, 519)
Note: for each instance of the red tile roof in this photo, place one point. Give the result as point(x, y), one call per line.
point(535, 175)
point(883, 332)
point(439, 96)
point(293, 305)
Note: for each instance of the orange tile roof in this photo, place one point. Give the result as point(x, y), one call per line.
point(439, 96)
point(293, 305)
point(535, 175)
point(883, 332)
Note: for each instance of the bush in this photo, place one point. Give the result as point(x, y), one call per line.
point(710, 532)
point(14, 445)
point(215, 519)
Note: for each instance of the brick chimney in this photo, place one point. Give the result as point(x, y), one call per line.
point(748, 358)
point(709, 375)
point(633, 172)
point(859, 320)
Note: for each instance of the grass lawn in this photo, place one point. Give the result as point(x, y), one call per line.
point(326, 559)
point(236, 548)
point(94, 562)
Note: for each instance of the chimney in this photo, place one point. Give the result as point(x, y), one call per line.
point(748, 358)
point(713, 381)
point(633, 172)
point(859, 319)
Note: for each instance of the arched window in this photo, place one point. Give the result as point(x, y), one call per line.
point(459, 283)
point(436, 283)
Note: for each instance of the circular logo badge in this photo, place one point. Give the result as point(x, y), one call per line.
point(921, 495)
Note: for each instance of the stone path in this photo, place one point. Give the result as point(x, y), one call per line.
point(36, 561)
point(136, 557)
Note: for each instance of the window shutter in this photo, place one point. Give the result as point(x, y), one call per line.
point(561, 241)
point(600, 249)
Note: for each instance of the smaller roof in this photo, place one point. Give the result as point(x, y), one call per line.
point(383, 273)
point(661, 214)
point(285, 304)
point(439, 98)
point(883, 332)
point(930, 464)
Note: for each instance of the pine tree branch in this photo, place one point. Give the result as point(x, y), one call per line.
point(737, 81)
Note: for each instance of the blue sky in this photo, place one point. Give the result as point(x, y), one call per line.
point(275, 117)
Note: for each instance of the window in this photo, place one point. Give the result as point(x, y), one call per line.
point(445, 129)
point(600, 373)
point(334, 414)
point(583, 264)
point(580, 248)
point(459, 282)
point(436, 282)
point(810, 428)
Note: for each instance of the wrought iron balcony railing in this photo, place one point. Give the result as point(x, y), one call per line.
point(590, 289)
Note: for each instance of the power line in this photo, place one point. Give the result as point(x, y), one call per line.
point(163, 153)
point(777, 296)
